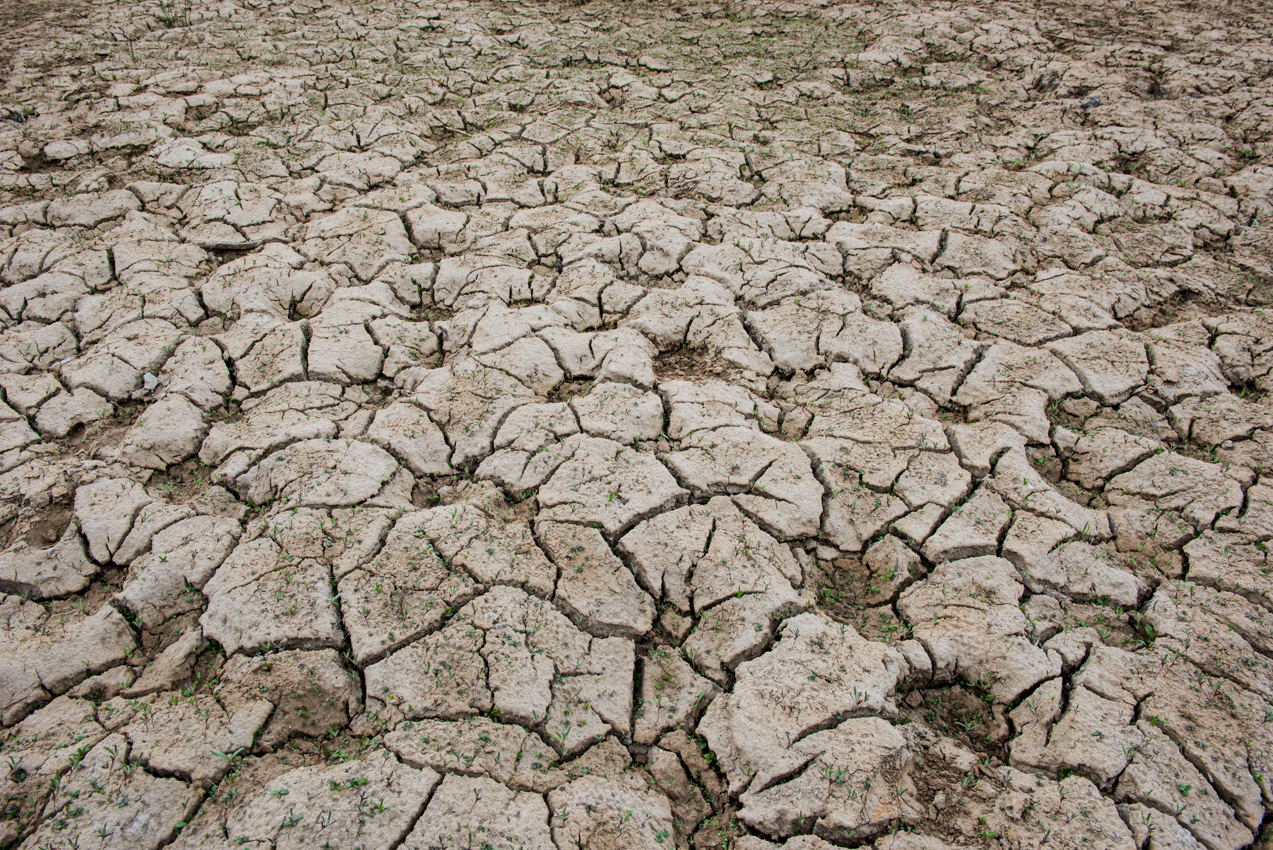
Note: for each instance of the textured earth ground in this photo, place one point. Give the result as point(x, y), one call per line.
point(620, 425)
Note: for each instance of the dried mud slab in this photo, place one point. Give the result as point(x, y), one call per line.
point(562, 425)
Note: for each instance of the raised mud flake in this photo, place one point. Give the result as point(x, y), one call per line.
point(182, 737)
point(114, 367)
point(1257, 518)
point(1048, 563)
point(322, 473)
point(1013, 384)
point(169, 670)
point(739, 629)
point(854, 511)
point(407, 432)
point(1070, 813)
point(106, 509)
point(851, 785)
point(440, 675)
point(665, 236)
point(434, 227)
point(1160, 777)
point(1111, 364)
point(1232, 562)
point(362, 239)
point(265, 351)
point(603, 812)
point(1255, 453)
point(978, 445)
point(714, 561)
point(773, 479)
point(871, 248)
point(401, 593)
point(933, 478)
point(973, 529)
point(742, 560)
point(515, 654)
point(406, 344)
point(197, 370)
point(1168, 481)
point(341, 348)
point(1152, 830)
point(100, 804)
point(483, 812)
point(1101, 453)
point(1222, 633)
point(817, 673)
point(619, 412)
point(477, 278)
point(1024, 489)
point(804, 331)
point(1242, 341)
point(665, 549)
point(1098, 301)
point(45, 298)
point(671, 694)
point(917, 526)
point(43, 655)
point(594, 587)
point(1100, 737)
point(469, 401)
point(65, 412)
point(609, 484)
point(1093, 737)
point(258, 599)
point(312, 692)
point(910, 841)
point(33, 345)
point(790, 329)
point(305, 410)
point(91, 209)
point(527, 447)
point(270, 281)
point(976, 255)
point(61, 570)
point(689, 804)
point(666, 317)
point(1218, 418)
point(872, 345)
point(169, 431)
point(1217, 725)
point(21, 690)
point(368, 802)
point(44, 746)
point(531, 362)
point(714, 404)
point(843, 408)
point(492, 546)
point(1154, 244)
point(476, 746)
point(148, 298)
point(1183, 364)
point(965, 613)
point(501, 327)
point(902, 286)
point(938, 357)
point(183, 556)
point(1014, 320)
point(25, 393)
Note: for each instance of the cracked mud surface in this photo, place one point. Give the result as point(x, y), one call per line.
point(738, 425)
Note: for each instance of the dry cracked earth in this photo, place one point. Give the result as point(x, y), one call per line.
point(618, 425)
